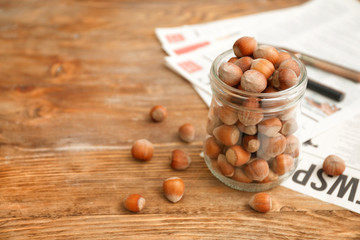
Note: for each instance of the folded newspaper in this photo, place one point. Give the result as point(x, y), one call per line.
point(321, 28)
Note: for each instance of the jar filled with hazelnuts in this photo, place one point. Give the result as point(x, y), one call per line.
point(253, 129)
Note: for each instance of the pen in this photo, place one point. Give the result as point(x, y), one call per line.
point(325, 90)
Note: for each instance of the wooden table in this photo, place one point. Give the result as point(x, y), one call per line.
point(77, 81)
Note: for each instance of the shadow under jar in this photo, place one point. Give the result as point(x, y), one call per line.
point(253, 139)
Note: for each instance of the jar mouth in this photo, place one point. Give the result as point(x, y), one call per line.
point(292, 94)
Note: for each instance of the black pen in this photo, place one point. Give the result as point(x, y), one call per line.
point(325, 90)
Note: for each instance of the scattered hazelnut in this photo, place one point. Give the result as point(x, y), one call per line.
point(134, 202)
point(158, 113)
point(270, 127)
point(240, 176)
point(180, 160)
point(257, 169)
point(282, 57)
point(284, 78)
point(173, 189)
point(249, 130)
point(264, 66)
point(268, 52)
point(244, 63)
point(261, 202)
point(244, 46)
point(142, 149)
point(251, 143)
point(227, 115)
point(237, 156)
point(228, 135)
point(212, 149)
point(291, 64)
point(253, 81)
point(225, 167)
point(282, 164)
point(333, 165)
point(187, 132)
point(230, 73)
point(289, 126)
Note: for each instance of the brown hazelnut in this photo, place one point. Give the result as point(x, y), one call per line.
point(270, 127)
point(251, 143)
point(174, 188)
point(227, 135)
point(230, 73)
point(240, 176)
point(257, 169)
point(212, 149)
point(233, 59)
point(237, 156)
point(134, 202)
point(333, 165)
point(268, 52)
point(158, 113)
point(261, 202)
point(180, 160)
point(227, 115)
point(289, 126)
point(249, 130)
point(264, 66)
point(253, 81)
point(284, 78)
point(272, 177)
point(270, 89)
point(250, 117)
point(282, 164)
point(225, 167)
point(211, 124)
point(272, 146)
point(292, 145)
point(244, 63)
point(187, 132)
point(142, 149)
point(291, 64)
point(244, 46)
point(282, 57)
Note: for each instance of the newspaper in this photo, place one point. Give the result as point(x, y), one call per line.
point(327, 29)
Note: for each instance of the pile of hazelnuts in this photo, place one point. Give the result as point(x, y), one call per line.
point(244, 143)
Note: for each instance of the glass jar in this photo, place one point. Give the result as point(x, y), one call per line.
point(253, 139)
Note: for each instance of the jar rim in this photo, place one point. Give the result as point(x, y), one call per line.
point(234, 92)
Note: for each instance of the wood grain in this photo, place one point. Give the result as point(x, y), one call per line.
point(77, 81)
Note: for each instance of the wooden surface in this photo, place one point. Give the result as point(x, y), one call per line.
point(77, 80)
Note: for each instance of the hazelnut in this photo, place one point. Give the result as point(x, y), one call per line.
point(173, 189)
point(251, 143)
point(333, 165)
point(291, 64)
point(264, 66)
point(253, 81)
point(187, 132)
point(244, 46)
point(134, 202)
point(282, 164)
point(240, 176)
point(230, 73)
point(244, 63)
point(212, 149)
point(227, 115)
point(225, 167)
point(284, 78)
point(228, 135)
point(292, 144)
point(268, 52)
point(257, 169)
point(237, 156)
point(180, 160)
point(233, 59)
point(261, 202)
point(142, 149)
point(272, 177)
point(158, 113)
point(270, 127)
point(270, 89)
point(272, 146)
point(249, 130)
point(250, 117)
point(211, 124)
point(282, 57)
point(289, 126)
